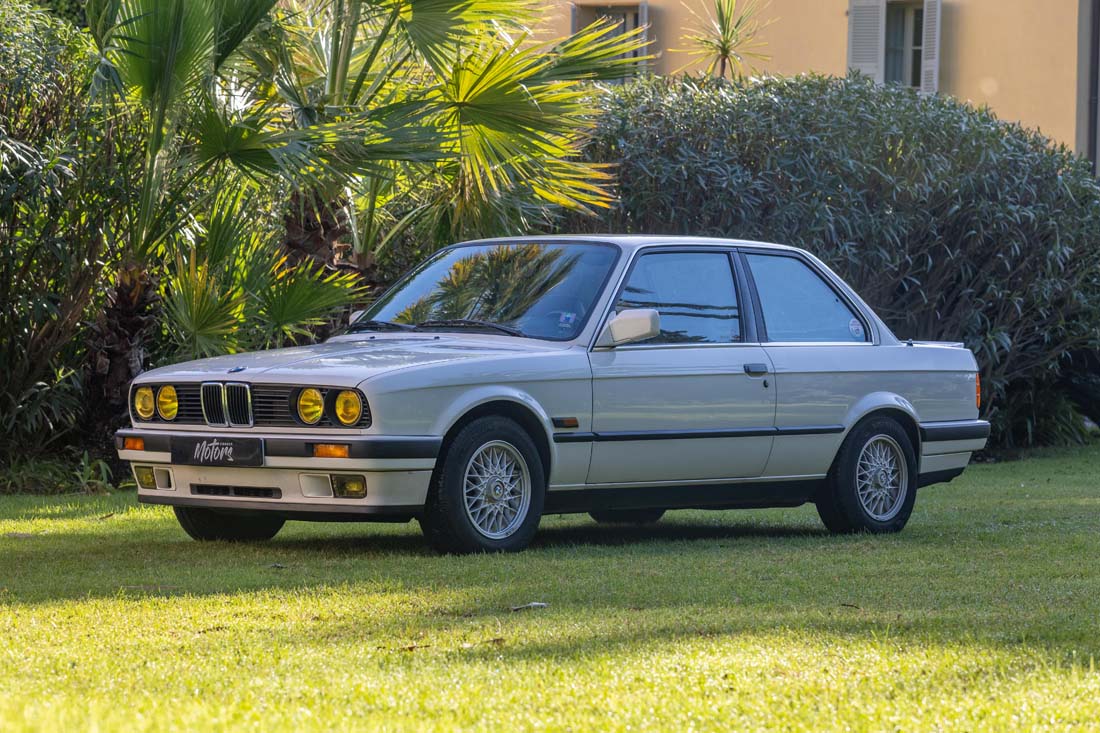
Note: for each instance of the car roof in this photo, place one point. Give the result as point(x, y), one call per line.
point(634, 241)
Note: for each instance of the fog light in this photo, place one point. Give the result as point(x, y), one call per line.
point(349, 487)
point(144, 403)
point(146, 479)
point(133, 444)
point(330, 450)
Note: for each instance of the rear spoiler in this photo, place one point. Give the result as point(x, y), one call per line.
point(948, 344)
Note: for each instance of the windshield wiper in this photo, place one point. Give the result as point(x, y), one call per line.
point(372, 325)
point(471, 323)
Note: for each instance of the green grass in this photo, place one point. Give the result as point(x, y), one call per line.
point(983, 614)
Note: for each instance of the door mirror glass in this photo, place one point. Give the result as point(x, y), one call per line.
point(355, 316)
point(630, 326)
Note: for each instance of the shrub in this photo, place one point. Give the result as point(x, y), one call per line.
point(61, 174)
point(951, 224)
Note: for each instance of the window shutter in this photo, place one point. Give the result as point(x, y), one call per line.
point(867, 37)
point(930, 55)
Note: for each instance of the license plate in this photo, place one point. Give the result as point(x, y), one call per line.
point(211, 451)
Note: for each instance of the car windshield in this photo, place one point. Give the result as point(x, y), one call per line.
point(540, 290)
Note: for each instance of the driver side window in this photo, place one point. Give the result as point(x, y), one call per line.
point(693, 291)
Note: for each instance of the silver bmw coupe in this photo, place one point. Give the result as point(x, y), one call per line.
point(505, 379)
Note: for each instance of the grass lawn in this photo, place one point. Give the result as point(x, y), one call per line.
point(983, 614)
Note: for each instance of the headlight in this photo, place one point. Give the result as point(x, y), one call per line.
point(311, 405)
point(349, 408)
point(144, 404)
point(167, 402)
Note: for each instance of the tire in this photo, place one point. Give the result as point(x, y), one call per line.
point(627, 516)
point(502, 510)
point(209, 525)
point(888, 494)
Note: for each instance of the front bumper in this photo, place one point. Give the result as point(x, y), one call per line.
point(291, 480)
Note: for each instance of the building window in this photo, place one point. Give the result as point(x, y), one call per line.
point(904, 44)
point(896, 42)
point(625, 17)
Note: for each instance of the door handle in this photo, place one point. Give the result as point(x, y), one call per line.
point(756, 370)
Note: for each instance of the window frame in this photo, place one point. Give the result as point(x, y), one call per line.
point(871, 337)
point(747, 321)
point(516, 241)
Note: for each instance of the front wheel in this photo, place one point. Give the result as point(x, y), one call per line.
point(208, 525)
point(488, 494)
point(873, 484)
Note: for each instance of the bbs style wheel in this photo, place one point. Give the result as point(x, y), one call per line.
point(873, 483)
point(488, 494)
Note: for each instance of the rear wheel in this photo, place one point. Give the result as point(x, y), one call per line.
point(488, 494)
point(210, 524)
point(627, 516)
point(873, 483)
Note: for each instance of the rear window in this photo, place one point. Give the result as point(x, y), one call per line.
point(799, 305)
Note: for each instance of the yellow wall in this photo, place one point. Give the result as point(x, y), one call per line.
point(1018, 56)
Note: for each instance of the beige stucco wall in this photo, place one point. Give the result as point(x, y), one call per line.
point(1020, 57)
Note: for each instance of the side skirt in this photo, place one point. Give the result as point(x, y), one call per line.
point(742, 495)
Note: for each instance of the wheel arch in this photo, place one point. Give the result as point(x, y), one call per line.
point(522, 412)
point(885, 404)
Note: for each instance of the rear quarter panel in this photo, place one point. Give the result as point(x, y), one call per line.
point(838, 385)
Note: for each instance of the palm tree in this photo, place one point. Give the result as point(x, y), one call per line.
point(726, 39)
point(504, 116)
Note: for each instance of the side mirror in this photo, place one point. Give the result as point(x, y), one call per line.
point(630, 326)
point(355, 316)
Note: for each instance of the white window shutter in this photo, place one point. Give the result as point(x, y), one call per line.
point(930, 55)
point(867, 38)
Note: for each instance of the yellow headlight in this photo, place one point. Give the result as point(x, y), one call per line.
point(144, 403)
point(311, 405)
point(167, 402)
point(349, 408)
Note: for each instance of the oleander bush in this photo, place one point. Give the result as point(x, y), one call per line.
point(953, 225)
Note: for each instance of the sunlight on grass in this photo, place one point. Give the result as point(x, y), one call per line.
point(982, 614)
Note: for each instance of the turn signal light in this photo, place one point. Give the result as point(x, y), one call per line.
point(144, 403)
point(133, 444)
point(978, 391)
point(330, 450)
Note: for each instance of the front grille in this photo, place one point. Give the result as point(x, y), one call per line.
point(227, 404)
point(247, 492)
point(239, 401)
point(272, 406)
point(190, 400)
point(213, 407)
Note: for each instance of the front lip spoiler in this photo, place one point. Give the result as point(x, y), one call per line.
point(291, 510)
point(380, 446)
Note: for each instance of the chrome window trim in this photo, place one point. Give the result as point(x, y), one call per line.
point(831, 280)
point(615, 289)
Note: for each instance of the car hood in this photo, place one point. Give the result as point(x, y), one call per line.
point(348, 360)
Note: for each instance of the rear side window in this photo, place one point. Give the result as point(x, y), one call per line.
point(798, 305)
point(694, 293)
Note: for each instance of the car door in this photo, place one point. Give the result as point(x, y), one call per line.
point(693, 404)
point(819, 344)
